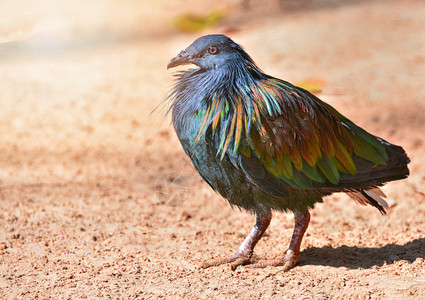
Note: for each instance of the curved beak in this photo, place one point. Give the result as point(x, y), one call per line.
point(181, 59)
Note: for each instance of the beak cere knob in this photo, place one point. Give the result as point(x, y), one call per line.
point(182, 58)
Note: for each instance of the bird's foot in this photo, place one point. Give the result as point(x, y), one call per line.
point(288, 261)
point(234, 261)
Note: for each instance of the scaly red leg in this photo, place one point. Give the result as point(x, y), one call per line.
point(244, 253)
point(292, 255)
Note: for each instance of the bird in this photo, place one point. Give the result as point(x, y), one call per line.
point(267, 145)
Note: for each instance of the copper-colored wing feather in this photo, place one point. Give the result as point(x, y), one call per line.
point(309, 145)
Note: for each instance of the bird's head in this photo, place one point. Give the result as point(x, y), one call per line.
point(212, 52)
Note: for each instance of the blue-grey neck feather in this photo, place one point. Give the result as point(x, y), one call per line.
point(195, 87)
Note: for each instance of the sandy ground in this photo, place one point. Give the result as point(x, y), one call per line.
point(97, 198)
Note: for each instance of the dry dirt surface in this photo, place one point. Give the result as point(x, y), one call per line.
point(98, 200)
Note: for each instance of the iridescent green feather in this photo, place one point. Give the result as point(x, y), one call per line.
point(296, 137)
point(329, 169)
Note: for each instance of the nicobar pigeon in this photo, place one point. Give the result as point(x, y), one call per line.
point(266, 145)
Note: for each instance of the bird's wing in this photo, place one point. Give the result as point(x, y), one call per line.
point(306, 143)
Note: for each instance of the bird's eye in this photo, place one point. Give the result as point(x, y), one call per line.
point(213, 50)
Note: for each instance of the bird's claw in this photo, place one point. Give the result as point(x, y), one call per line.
point(243, 260)
point(288, 261)
point(234, 261)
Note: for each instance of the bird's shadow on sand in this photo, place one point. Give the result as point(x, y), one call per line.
point(361, 257)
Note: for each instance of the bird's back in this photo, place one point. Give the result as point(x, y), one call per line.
point(256, 175)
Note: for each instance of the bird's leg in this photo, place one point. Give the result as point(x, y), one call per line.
point(244, 253)
point(292, 255)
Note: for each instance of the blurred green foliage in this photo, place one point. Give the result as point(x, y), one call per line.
point(313, 85)
point(189, 22)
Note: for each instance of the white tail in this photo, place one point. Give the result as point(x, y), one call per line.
point(376, 194)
